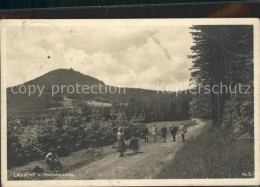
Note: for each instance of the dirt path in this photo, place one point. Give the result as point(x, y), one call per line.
point(144, 165)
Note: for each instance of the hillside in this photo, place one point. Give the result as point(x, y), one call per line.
point(33, 104)
point(22, 103)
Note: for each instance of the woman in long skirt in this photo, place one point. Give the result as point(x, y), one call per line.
point(121, 142)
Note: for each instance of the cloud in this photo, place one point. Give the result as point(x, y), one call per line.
point(110, 39)
point(122, 56)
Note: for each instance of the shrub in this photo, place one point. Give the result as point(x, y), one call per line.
point(63, 131)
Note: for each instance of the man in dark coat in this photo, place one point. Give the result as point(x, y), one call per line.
point(164, 133)
point(146, 132)
point(174, 131)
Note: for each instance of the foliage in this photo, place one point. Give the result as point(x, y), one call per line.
point(239, 114)
point(222, 55)
point(64, 131)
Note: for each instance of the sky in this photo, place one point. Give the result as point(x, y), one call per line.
point(143, 56)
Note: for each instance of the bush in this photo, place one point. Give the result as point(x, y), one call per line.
point(239, 114)
point(63, 132)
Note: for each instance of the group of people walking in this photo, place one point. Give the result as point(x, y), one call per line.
point(174, 131)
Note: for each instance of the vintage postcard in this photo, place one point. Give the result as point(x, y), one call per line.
point(130, 102)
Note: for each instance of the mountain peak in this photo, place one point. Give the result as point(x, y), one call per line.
point(64, 77)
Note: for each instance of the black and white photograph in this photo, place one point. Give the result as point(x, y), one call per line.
point(120, 102)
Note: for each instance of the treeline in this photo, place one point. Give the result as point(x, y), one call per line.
point(223, 55)
point(141, 107)
point(164, 107)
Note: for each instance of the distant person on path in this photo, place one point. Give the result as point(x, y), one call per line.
point(121, 142)
point(164, 133)
point(182, 130)
point(52, 160)
point(154, 133)
point(174, 131)
point(146, 132)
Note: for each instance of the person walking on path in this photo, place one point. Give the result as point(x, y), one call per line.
point(146, 132)
point(182, 130)
point(121, 142)
point(154, 133)
point(174, 131)
point(164, 133)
